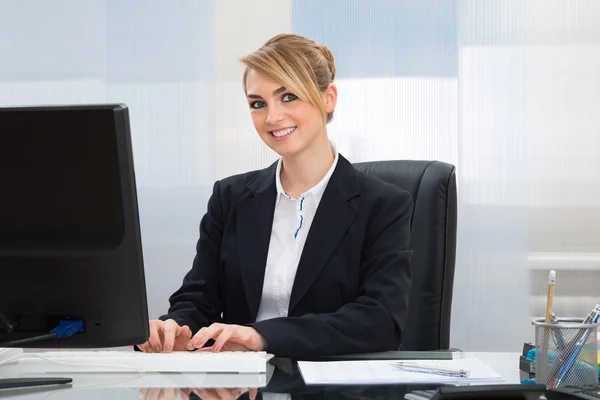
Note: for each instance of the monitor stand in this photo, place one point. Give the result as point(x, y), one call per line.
point(14, 383)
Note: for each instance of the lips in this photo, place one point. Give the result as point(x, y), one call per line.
point(283, 132)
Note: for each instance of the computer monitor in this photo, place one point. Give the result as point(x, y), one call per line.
point(70, 245)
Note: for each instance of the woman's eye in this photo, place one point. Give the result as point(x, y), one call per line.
point(289, 97)
point(257, 104)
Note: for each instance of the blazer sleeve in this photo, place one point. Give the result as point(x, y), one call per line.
point(198, 302)
point(374, 321)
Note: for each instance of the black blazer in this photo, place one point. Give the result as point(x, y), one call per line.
point(351, 290)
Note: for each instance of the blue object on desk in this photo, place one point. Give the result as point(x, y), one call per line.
point(531, 355)
point(552, 355)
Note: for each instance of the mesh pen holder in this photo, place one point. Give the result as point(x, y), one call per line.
point(565, 352)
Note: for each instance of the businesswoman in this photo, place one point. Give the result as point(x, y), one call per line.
point(307, 257)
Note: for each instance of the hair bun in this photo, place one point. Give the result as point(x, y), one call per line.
point(329, 57)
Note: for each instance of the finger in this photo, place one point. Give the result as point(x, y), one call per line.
point(204, 349)
point(170, 394)
point(170, 331)
point(201, 337)
point(192, 343)
point(145, 347)
point(223, 338)
point(185, 332)
point(230, 346)
point(204, 335)
point(185, 394)
point(182, 339)
point(156, 394)
point(229, 393)
point(252, 392)
point(154, 340)
point(195, 394)
point(143, 394)
point(206, 394)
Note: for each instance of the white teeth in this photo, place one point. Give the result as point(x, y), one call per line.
point(284, 132)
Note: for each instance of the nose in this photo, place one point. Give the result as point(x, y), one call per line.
point(274, 114)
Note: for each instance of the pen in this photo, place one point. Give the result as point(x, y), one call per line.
point(551, 282)
point(412, 367)
point(592, 315)
point(558, 337)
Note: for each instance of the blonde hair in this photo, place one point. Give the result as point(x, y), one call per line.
point(302, 66)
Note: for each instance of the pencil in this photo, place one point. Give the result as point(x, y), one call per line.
point(551, 282)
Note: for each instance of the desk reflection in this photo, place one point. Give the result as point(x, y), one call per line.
point(198, 393)
point(282, 381)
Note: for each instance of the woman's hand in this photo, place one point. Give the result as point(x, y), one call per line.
point(166, 336)
point(228, 338)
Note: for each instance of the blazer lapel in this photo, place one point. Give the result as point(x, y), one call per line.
point(332, 219)
point(253, 228)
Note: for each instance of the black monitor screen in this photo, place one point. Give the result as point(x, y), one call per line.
point(60, 180)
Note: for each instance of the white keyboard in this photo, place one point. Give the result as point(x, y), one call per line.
point(134, 361)
point(9, 353)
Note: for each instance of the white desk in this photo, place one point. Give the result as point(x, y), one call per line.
point(506, 364)
point(133, 386)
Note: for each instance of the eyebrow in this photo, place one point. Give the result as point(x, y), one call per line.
point(275, 93)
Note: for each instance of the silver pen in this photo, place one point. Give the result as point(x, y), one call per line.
point(590, 318)
point(427, 369)
point(557, 334)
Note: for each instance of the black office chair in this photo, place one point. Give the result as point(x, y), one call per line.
point(432, 185)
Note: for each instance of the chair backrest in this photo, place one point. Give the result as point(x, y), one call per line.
point(432, 185)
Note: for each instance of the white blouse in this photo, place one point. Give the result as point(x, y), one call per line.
point(291, 224)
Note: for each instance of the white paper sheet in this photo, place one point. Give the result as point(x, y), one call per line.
point(384, 372)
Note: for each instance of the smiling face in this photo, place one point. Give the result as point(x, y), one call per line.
point(286, 124)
